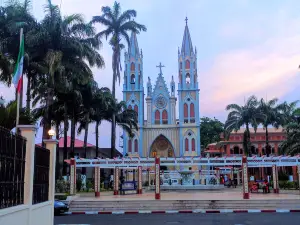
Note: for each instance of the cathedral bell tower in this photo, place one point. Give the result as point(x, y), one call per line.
point(188, 95)
point(133, 94)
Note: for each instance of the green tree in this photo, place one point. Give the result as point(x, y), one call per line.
point(291, 146)
point(8, 114)
point(248, 115)
point(71, 39)
point(210, 130)
point(272, 117)
point(117, 25)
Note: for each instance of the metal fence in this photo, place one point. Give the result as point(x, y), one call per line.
point(12, 168)
point(41, 175)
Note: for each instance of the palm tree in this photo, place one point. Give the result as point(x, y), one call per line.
point(290, 112)
point(8, 116)
point(291, 146)
point(244, 115)
point(117, 24)
point(272, 117)
point(73, 39)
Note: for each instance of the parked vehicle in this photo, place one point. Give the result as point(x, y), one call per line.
point(60, 207)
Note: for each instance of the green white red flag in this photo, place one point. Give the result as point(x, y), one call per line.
point(18, 72)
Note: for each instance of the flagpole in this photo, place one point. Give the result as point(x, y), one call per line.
point(18, 93)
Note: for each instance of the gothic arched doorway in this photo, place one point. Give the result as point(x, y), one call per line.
point(161, 147)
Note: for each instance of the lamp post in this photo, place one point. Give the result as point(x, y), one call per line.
point(51, 133)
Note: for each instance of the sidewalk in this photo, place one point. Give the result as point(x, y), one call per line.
point(226, 194)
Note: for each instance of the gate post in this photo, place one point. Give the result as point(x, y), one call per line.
point(245, 178)
point(139, 190)
point(275, 179)
point(116, 181)
point(72, 176)
point(157, 178)
point(97, 183)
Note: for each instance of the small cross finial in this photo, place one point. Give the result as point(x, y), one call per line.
point(186, 19)
point(160, 66)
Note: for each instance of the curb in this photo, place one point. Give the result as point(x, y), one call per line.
point(186, 211)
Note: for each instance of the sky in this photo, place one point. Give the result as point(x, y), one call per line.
point(244, 47)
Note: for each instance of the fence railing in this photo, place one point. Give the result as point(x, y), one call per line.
point(12, 168)
point(41, 175)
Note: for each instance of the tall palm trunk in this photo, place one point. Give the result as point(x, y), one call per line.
point(97, 138)
point(73, 127)
point(47, 119)
point(58, 173)
point(66, 126)
point(247, 145)
point(86, 131)
point(268, 147)
point(113, 121)
point(28, 96)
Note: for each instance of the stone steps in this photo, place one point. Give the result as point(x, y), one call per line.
point(182, 205)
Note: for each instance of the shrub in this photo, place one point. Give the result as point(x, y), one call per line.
point(89, 185)
point(78, 184)
point(146, 184)
point(61, 186)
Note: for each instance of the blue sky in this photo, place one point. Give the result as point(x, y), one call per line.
point(244, 47)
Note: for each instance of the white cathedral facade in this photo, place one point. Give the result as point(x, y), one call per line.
point(162, 134)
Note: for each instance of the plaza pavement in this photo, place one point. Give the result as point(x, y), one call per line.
point(225, 194)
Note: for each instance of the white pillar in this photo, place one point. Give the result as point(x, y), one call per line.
point(28, 132)
point(51, 146)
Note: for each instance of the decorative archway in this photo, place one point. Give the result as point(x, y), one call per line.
point(161, 147)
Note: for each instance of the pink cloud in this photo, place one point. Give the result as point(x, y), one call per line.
point(267, 68)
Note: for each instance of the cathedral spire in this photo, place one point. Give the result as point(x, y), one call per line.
point(134, 47)
point(187, 47)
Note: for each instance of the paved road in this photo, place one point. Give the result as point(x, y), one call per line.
point(186, 219)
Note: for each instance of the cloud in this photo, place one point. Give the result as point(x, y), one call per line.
point(266, 69)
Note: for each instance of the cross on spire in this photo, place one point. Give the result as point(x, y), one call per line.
point(160, 66)
point(186, 19)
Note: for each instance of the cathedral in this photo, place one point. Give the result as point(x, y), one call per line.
point(161, 133)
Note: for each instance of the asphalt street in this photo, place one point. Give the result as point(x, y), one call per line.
point(186, 219)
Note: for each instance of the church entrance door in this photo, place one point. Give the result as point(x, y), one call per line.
point(161, 147)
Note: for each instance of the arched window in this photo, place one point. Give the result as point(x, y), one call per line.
point(132, 67)
point(130, 107)
point(135, 145)
point(193, 144)
point(187, 64)
point(136, 109)
point(192, 112)
point(180, 77)
point(157, 117)
point(180, 65)
point(132, 79)
point(185, 112)
point(165, 117)
point(186, 145)
point(129, 145)
point(187, 78)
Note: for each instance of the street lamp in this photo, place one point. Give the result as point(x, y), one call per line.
point(51, 133)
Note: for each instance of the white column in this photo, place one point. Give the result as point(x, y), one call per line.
point(51, 146)
point(299, 176)
point(157, 178)
point(28, 132)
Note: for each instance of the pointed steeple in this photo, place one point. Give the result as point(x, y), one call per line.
point(134, 47)
point(187, 47)
point(160, 85)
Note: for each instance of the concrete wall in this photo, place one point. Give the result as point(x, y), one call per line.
point(27, 213)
